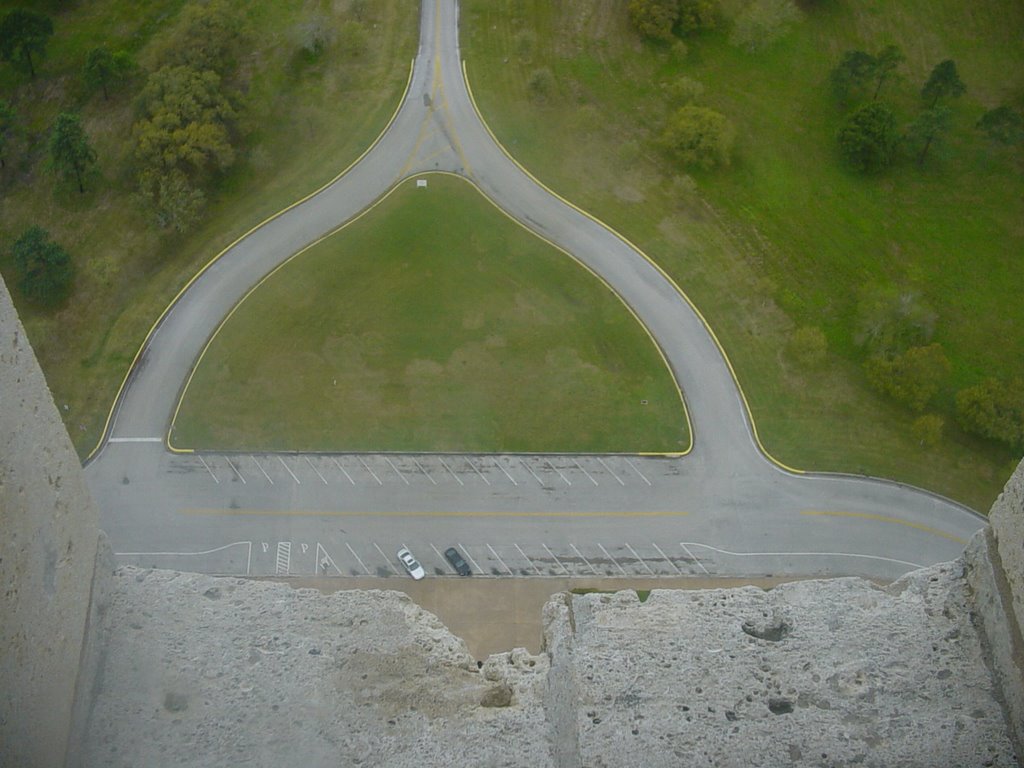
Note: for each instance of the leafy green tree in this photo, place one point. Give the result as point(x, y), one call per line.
point(1003, 125)
point(104, 69)
point(654, 18)
point(697, 15)
point(886, 62)
point(993, 409)
point(44, 268)
point(70, 150)
point(890, 321)
point(927, 429)
point(852, 74)
point(911, 378)
point(178, 203)
point(943, 83)
point(208, 36)
point(868, 138)
point(8, 119)
point(699, 136)
point(24, 35)
point(928, 126)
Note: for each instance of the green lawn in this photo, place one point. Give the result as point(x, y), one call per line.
point(786, 236)
point(304, 122)
point(433, 323)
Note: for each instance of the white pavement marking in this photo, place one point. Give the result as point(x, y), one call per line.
point(257, 463)
point(642, 561)
point(527, 558)
point(284, 557)
point(498, 557)
point(289, 471)
point(324, 559)
point(231, 464)
point(608, 555)
point(443, 464)
point(357, 557)
point(209, 470)
point(574, 549)
point(436, 552)
point(638, 471)
point(135, 440)
point(581, 469)
point(343, 470)
point(404, 478)
point(387, 559)
point(694, 558)
point(523, 462)
point(470, 557)
point(552, 466)
point(802, 554)
point(432, 480)
point(482, 477)
point(666, 558)
point(202, 552)
point(498, 463)
point(315, 470)
point(555, 558)
point(610, 471)
point(367, 468)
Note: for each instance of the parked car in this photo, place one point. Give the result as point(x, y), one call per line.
point(461, 566)
point(411, 564)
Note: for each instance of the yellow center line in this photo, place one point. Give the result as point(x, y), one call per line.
point(317, 513)
point(885, 519)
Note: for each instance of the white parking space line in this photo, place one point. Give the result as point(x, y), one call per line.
point(591, 567)
point(469, 557)
point(288, 469)
point(232, 465)
point(666, 558)
point(642, 477)
point(257, 463)
point(208, 469)
point(608, 555)
point(367, 468)
point(476, 469)
point(323, 560)
point(438, 553)
point(642, 562)
point(581, 469)
point(404, 478)
point(610, 471)
point(316, 470)
point(432, 480)
point(527, 559)
point(552, 466)
point(523, 462)
point(346, 474)
point(693, 557)
point(555, 558)
point(498, 558)
point(357, 557)
point(284, 557)
point(498, 463)
point(387, 559)
point(457, 479)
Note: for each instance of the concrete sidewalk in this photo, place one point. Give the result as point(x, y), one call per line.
point(497, 614)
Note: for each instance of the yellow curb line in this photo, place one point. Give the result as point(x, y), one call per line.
point(885, 519)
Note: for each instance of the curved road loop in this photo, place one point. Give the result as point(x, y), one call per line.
point(723, 509)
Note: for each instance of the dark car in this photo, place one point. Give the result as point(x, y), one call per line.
point(461, 566)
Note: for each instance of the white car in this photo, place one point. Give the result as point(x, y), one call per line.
point(411, 564)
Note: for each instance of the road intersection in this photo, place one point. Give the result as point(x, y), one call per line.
point(724, 508)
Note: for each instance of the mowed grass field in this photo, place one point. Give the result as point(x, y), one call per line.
point(433, 323)
point(786, 237)
point(304, 120)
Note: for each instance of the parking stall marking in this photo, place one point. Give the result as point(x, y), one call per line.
point(323, 560)
point(445, 465)
point(387, 559)
point(437, 552)
point(475, 469)
point(584, 559)
point(343, 470)
point(610, 472)
point(498, 558)
point(555, 558)
point(208, 469)
point(289, 471)
point(553, 467)
point(367, 468)
point(667, 558)
point(642, 476)
point(527, 559)
point(316, 470)
point(498, 463)
point(432, 480)
point(357, 557)
point(470, 557)
point(640, 559)
point(260, 466)
point(232, 465)
point(694, 558)
point(284, 557)
point(528, 469)
point(608, 555)
point(581, 469)
point(397, 472)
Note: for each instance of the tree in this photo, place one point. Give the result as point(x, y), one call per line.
point(699, 136)
point(7, 120)
point(853, 72)
point(103, 69)
point(762, 23)
point(886, 62)
point(44, 268)
point(911, 378)
point(654, 18)
point(24, 34)
point(942, 83)
point(1003, 125)
point(69, 148)
point(695, 15)
point(890, 321)
point(868, 138)
point(993, 409)
point(208, 37)
point(928, 126)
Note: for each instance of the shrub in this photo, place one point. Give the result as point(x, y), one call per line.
point(698, 136)
point(868, 138)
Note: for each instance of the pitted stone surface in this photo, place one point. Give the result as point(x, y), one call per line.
point(858, 676)
point(224, 672)
point(1007, 519)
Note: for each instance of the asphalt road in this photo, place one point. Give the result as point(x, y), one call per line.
point(723, 509)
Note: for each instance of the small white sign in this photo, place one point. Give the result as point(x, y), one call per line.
point(421, 182)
